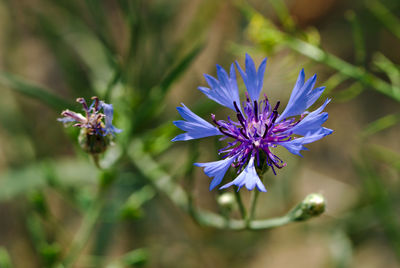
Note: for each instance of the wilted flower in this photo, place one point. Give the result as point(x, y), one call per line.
point(94, 132)
point(259, 127)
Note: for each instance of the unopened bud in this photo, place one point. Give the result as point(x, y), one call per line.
point(313, 205)
point(227, 200)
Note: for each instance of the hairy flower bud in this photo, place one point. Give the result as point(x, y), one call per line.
point(93, 144)
point(313, 205)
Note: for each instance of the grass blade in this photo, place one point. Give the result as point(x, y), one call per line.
point(29, 89)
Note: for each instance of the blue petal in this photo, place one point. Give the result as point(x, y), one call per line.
point(195, 126)
point(296, 145)
point(312, 122)
point(253, 79)
point(109, 114)
point(216, 170)
point(297, 87)
point(223, 91)
point(302, 97)
point(248, 177)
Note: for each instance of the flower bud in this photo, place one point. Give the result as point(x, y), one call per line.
point(226, 200)
point(313, 205)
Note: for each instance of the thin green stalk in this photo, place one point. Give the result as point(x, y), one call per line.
point(270, 223)
point(96, 160)
point(380, 124)
point(5, 260)
point(254, 194)
point(253, 205)
point(358, 38)
point(343, 67)
point(163, 182)
point(386, 17)
point(242, 209)
point(283, 15)
point(114, 80)
point(209, 219)
point(381, 200)
point(317, 54)
point(85, 231)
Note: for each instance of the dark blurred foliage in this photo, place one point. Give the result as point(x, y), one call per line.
point(145, 57)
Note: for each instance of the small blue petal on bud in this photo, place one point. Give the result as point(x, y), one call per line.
point(109, 114)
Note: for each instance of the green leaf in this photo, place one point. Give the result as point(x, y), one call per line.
point(31, 90)
point(283, 14)
point(260, 25)
point(20, 181)
point(359, 44)
point(384, 155)
point(332, 82)
point(132, 207)
point(75, 71)
point(179, 68)
point(100, 26)
point(134, 258)
point(29, 178)
point(351, 92)
point(383, 14)
point(380, 125)
point(380, 197)
point(5, 260)
point(154, 107)
point(388, 67)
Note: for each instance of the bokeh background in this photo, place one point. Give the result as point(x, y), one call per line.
point(146, 57)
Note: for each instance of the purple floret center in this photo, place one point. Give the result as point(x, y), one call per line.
point(255, 133)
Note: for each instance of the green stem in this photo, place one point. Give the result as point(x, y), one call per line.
point(242, 209)
point(5, 260)
point(114, 80)
point(387, 18)
point(85, 231)
point(270, 223)
point(253, 204)
point(163, 182)
point(343, 67)
point(96, 160)
point(254, 195)
point(317, 54)
point(210, 219)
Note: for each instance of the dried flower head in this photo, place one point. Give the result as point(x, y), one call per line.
point(259, 127)
point(95, 132)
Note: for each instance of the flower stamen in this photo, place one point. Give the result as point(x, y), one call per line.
point(275, 112)
point(243, 133)
point(265, 131)
point(255, 111)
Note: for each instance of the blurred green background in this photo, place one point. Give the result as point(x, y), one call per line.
point(146, 57)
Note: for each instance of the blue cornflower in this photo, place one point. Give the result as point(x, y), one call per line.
point(259, 127)
point(94, 132)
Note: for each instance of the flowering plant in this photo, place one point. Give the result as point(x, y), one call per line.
point(259, 127)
